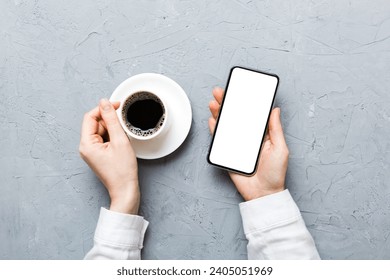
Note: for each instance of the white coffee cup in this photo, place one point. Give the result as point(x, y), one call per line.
point(178, 114)
point(143, 114)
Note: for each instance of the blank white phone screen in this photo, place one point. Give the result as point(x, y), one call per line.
point(242, 120)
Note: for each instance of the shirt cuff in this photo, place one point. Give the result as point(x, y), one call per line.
point(268, 211)
point(118, 229)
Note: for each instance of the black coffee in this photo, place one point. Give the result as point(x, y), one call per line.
point(143, 113)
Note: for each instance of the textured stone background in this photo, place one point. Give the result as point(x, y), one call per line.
point(58, 58)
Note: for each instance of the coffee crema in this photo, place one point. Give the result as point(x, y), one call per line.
point(143, 113)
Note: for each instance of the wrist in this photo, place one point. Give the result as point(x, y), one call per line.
point(261, 192)
point(127, 200)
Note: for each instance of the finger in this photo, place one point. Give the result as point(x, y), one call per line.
point(102, 130)
point(218, 94)
point(90, 124)
point(111, 120)
point(116, 104)
point(214, 108)
point(212, 123)
point(275, 129)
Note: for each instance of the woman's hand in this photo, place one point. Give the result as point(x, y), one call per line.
point(272, 165)
point(105, 147)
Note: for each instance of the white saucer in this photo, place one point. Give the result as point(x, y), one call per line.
point(179, 109)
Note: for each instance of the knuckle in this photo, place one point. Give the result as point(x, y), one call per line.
point(83, 151)
point(86, 116)
point(286, 153)
point(283, 152)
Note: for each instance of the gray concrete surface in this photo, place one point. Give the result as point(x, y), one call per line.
point(58, 58)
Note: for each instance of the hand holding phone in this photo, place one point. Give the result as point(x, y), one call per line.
point(272, 165)
point(242, 121)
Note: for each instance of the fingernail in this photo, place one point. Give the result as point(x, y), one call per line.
point(105, 104)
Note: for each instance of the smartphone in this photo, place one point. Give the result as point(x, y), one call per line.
point(242, 122)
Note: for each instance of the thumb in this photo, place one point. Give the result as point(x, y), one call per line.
point(275, 129)
point(111, 120)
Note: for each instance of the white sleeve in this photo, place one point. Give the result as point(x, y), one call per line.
point(275, 229)
point(118, 236)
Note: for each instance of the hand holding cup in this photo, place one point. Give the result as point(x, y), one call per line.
point(105, 147)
